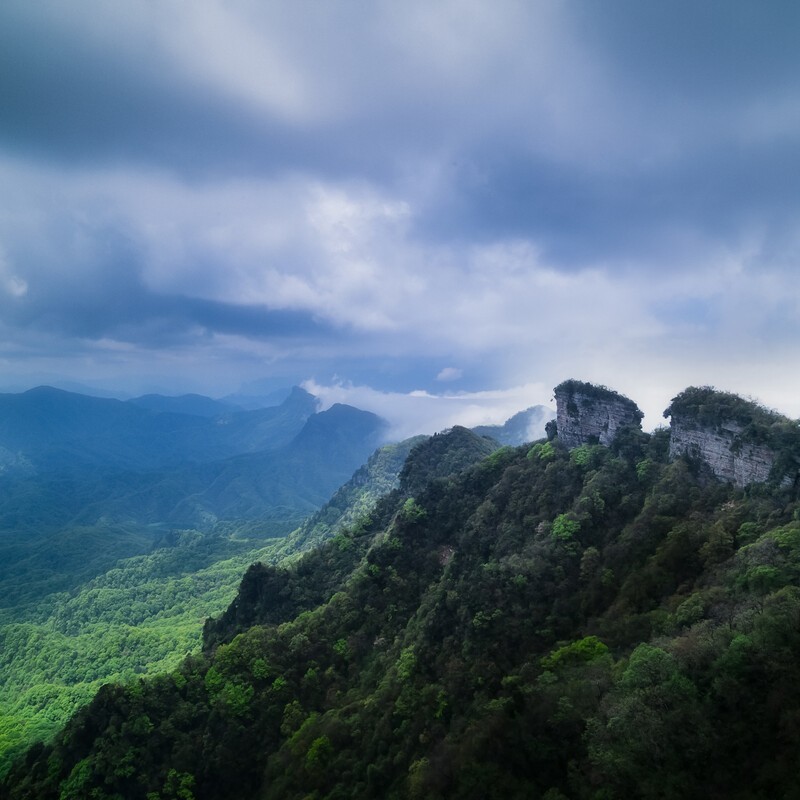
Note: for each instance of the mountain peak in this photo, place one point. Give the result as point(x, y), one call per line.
point(588, 413)
point(442, 455)
point(300, 398)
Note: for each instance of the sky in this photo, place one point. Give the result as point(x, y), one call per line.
point(435, 210)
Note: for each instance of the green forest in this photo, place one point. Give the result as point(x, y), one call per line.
point(101, 617)
point(141, 616)
point(530, 622)
point(123, 527)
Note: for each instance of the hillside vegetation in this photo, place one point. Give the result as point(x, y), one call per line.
point(143, 614)
point(140, 616)
point(596, 623)
point(111, 559)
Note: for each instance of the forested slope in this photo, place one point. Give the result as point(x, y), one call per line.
point(105, 573)
point(355, 499)
point(142, 615)
point(138, 615)
point(599, 623)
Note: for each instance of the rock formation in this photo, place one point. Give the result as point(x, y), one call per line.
point(740, 441)
point(589, 414)
point(740, 465)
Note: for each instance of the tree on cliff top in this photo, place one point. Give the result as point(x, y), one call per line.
point(706, 407)
point(592, 391)
point(709, 406)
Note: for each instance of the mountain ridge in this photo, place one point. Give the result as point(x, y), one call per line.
point(59, 431)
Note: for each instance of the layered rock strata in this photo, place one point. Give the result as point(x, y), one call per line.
point(589, 414)
point(730, 460)
point(738, 439)
point(741, 442)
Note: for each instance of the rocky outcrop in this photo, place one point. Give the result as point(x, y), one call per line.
point(740, 442)
point(589, 414)
point(729, 460)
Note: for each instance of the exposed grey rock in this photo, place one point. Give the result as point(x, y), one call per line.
point(739, 464)
point(740, 441)
point(587, 414)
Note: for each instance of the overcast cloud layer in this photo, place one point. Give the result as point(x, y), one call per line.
point(462, 198)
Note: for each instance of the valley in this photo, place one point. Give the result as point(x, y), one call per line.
point(123, 526)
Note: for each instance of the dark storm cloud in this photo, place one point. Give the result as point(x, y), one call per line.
point(674, 145)
point(717, 50)
point(102, 294)
point(578, 216)
point(698, 136)
point(403, 190)
point(65, 98)
point(74, 89)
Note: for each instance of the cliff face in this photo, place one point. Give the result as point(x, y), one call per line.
point(739, 440)
point(588, 414)
point(738, 463)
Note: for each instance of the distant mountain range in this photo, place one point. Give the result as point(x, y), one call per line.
point(70, 458)
point(50, 430)
point(85, 481)
point(525, 426)
point(194, 404)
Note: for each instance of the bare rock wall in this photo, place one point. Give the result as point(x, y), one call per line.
point(586, 414)
point(738, 463)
